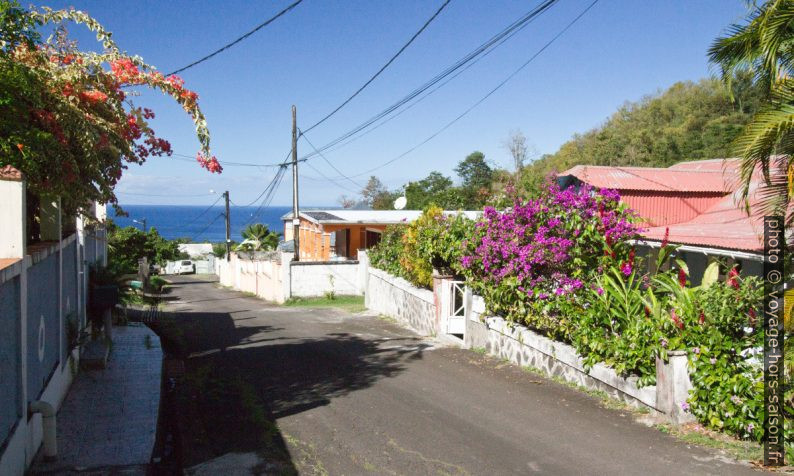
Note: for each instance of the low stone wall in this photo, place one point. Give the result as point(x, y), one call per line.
point(397, 298)
point(529, 349)
point(313, 278)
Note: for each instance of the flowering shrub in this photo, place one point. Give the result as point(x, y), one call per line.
point(431, 241)
point(67, 120)
point(531, 262)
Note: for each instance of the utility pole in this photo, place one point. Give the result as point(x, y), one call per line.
point(144, 225)
point(295, 214)
point(228, 227)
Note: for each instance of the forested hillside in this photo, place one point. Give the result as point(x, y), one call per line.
point(688, 121)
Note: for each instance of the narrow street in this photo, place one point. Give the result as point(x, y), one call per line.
point(360, 395)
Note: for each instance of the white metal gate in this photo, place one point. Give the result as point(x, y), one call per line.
point(453, 307)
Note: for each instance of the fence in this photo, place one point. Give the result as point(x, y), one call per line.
point(275, 277)
point(39, 295)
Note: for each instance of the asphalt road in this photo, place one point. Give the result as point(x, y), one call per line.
point(361, 395)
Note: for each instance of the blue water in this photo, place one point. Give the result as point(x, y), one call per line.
point(198, 223)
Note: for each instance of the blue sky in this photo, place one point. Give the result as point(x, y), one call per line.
point(319, 53)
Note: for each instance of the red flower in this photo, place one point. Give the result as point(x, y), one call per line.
point(93, 97)
point(733, 278)
point(676, 320)
point(209, 163)
point(682, 277)
point(752, 317)
point(666, 237)
point(702, 318)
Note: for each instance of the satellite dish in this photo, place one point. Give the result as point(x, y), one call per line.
point(400, 203)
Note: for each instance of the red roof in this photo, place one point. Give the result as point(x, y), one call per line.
point(651, 178)
point(670, 193)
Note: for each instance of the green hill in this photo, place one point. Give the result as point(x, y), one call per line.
point(688, 121)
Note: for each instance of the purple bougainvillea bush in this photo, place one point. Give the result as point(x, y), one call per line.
point(532, 261)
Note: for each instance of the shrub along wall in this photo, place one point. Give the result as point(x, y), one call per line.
point(562, 265)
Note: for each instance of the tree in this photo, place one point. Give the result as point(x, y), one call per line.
point(129, 244)
point(347, 202)
point(764, 46)
point(688, 121)
point(433, 189)
point(68, 120)
point(516, 144)
point(476, 178)
point(258, 237)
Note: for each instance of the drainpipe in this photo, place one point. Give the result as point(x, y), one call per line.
point(48, 427)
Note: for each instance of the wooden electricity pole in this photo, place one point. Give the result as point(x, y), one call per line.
point(295, 213)
point(228, 228)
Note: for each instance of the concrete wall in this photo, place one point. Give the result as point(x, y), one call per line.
point(397, 298)
point(528, 349)
point(39, 288)
point(310, 279)
point(275, 277)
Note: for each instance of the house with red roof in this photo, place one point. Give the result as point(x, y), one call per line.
point(695, 204)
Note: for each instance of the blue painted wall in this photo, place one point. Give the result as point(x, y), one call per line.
point(10, 377)
point(69, 299)
point(43, 323)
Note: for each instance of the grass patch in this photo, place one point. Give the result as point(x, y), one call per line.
point(346, 303)
point(698, 435)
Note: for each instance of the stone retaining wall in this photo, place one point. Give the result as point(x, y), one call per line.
point(397, 298)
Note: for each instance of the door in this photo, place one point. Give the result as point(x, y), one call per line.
point(454, 307)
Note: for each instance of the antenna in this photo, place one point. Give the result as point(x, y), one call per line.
point(400, 203)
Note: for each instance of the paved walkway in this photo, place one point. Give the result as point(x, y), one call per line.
point(355, 394)
point(108, 421)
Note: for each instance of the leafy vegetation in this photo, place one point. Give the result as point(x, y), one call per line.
point(129, 244)
point(562, 264)
point(347, 303)
point(67, 121)
point(763, 47)
point(257, 237)
point(688, 121)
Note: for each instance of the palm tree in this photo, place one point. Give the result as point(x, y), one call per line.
point(765, 47)
point(258, 237)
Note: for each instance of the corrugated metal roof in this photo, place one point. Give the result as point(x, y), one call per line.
point(691, 180)
point(725, 225)
point(665, 208)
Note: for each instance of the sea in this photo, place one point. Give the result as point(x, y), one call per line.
point(199, 224)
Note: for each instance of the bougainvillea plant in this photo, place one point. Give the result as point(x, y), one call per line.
point(67, 118)
point(531, 260)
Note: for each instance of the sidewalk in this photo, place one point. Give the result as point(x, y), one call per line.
point(108, 421)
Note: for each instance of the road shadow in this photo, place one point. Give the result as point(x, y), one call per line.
point(239, 379)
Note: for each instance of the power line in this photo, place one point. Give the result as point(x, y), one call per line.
point(202, 213)
point(229, 45)
point(391, 60)
point(432, 91)
point(482, 99)
point(193, 239)
point(303, 134)
point(188, 158)
point(268, 193)
point(493, 42)
point(329, 179)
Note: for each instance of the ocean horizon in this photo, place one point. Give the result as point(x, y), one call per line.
point(200, 224)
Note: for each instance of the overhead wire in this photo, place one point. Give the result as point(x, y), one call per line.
point(238, 40)
point(432, 91)
point(306, 138)
point(491, 43)
point(382, 68)
point(482, 99)
point(194, 237)
point(203, 212)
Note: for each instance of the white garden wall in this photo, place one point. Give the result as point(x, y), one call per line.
point(311, 279)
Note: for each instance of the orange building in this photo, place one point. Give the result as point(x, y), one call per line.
point(332, 235)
